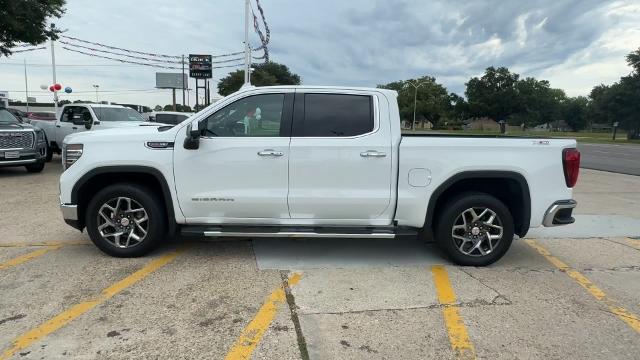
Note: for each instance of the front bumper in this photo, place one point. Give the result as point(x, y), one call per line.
point(559, 213)
point(25, 156)
point(70, 215)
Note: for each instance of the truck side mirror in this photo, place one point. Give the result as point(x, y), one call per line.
point(192, 141)
point(87, 120)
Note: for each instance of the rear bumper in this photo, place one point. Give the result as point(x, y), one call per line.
point(559, 213)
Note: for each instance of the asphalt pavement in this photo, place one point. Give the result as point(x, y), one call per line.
point(623, 159)
point(561, 293)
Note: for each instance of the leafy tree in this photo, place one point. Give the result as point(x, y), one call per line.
point(266, 74)
point(169, 107)
point(494, 95)
point(633, 59)
point(459, 107)
point(157, 108)
point(25, 21)
point(501, 95)
point(574, 112)
point(432, 100)
point(619, 102)
point(537, 102)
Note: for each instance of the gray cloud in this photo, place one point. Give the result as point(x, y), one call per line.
point(574, 44)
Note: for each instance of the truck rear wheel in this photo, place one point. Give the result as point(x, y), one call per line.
point(125, 220)
point(475, 229)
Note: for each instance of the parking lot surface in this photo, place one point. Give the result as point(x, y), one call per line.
point(561, 293)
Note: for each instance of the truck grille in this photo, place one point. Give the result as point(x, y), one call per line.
point(16, 140)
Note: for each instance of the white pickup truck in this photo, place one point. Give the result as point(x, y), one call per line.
point(73, 118)
point(303, 161)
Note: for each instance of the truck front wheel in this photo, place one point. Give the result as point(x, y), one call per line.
point(125, 220)
point(474, 229)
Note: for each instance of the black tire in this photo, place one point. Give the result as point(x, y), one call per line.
point(144, 197)
point(49, 155)
point(35, 168)
point(452, 214)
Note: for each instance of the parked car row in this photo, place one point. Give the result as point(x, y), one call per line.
point(31, 138)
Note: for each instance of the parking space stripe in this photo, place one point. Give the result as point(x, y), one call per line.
point(634, 242)
point(45, 243)
point(253, 332)
point(623, 314)
point(26, 257)
point(458, 335)
point(62, 319)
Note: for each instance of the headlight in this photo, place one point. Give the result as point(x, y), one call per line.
point(40, 136)
point(70, 154)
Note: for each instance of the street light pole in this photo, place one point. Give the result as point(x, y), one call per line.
point(247, 51)
point(96, 87)
point(415, 101)
point(53, 65)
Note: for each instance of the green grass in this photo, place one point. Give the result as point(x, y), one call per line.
point(581, 137)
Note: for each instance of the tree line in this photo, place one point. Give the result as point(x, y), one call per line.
point(500, 94)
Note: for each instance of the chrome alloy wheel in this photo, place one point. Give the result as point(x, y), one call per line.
point(477, 231)
point(123, 222)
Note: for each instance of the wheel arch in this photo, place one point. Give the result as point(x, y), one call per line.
point(501, 184)
point(97, 178)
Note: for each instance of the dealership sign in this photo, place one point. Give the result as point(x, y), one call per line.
point(200, 66)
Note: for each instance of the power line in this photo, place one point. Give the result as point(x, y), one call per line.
point(121, 49)
point(25, 50)
point(115, 53)
point(121, 60)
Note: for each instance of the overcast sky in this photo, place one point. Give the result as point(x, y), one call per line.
point(573, 44)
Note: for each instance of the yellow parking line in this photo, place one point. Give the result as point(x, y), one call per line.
point(252, 333)
point(26, 257)
point(44, 243)
point(62, 319)
point(458, 335)
point(634, 242)
point(623, 314)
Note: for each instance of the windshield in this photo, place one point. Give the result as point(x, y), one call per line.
point(117, 114)
point(6, 118)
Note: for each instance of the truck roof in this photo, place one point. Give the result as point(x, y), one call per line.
point(311, 87)
point(95, 105)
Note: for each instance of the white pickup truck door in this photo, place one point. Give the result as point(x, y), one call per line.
point(240, 171)
point(66, 126)
point(340, 163)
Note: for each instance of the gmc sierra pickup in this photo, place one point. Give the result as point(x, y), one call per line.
point(304, 161)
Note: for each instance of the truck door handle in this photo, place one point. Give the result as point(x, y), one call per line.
point(74, 128)
point(57, 125)
point(372, 153)
point(270, 152)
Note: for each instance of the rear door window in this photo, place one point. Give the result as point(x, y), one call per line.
point(335, 115)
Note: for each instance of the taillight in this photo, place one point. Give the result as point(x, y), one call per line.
point(571, 165)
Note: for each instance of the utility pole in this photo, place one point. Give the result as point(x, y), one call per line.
point(183, 85)
point(26, 87)
point(53, 65)
point(247, 51)
point(96, 87)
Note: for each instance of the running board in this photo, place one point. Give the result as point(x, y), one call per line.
point(296, 232)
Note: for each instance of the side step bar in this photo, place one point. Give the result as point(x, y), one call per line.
point(296, 232)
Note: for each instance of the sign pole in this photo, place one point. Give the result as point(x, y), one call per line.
point(183, 85)
point(197, 95)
